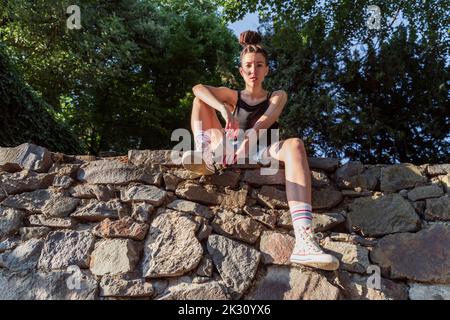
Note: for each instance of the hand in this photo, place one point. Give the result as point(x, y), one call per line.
point(232, 124)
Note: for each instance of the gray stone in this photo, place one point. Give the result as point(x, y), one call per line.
point(151, 194)
point(39, 220)
point(141, 211)
point(160, 157)
point(27, 233)
point(195, 192)
point(422, 291)
point(10, 221)
point(24, 181)
point(401, 176)
point(438, 169)
point(326, 221)
point(285, 283)
point(66, 248)
point(421, 256)
point(353, 258)
point(254, 177)
point(445, 181)
point(171, 248)
point(116, 172)
point(94, 210)
point(438, 209)
point(121, 286)
point(228, 178)
point(346, 176)
point(361, 287)
point(211, 290)
point(325, 198)
point(63, 182)
point(24, 257)
point(237, 226)
point(25, 156)
point(258, 214)
point(114, 256)
point(237, 263)
point(381, 215)
point(191, 207)
point(171, 181)
point(8, 244)
point(272, 197)
point(205, 267)
point(93, 191)
point(52, 204)
point(47, 286)
point(423, 192)
point(325, 164)
point(234, 199)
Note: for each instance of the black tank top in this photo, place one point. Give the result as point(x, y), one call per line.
point(248, 115)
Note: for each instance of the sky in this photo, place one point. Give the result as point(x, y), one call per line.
point(249, 22)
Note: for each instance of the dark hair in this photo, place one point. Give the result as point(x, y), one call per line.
point(251, 40)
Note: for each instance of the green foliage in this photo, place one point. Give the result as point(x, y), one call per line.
point(26, 118)
point(386, 103)
point(122, 80)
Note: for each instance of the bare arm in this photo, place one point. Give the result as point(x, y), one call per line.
point(215, 97)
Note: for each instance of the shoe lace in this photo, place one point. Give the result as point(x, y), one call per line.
point(307, 237)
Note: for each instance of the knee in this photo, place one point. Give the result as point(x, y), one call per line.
point(296, 144)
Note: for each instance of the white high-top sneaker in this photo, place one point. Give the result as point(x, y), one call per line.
point(199, 161)
point(307, 251)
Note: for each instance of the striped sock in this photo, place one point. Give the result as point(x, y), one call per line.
point(301, 215)
point(201, 140)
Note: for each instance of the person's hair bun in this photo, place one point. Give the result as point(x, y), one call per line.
point(249, 37)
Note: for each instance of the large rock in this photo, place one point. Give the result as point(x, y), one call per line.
point(445, 181)
point(66, 248)
point(276, 248)
point(285, 283)
point(364, 287)
point(346, 176)
point(191, 207)
point(10, 221)
point(195, 192)
point(226, 179)
point(23, 257)
point(121, 286)
point(151, 194)
point(123, 228)
point(57, 285)
point(422, 291)
point(25, 156)
point(325, 164)
point(237, 263)
point(421, 256)
point(272, 197)
point(160, 157)
point(24, 181)
point(353, 258)
point(401, 176)
point(234, 199)
point(171, 248)
point(423, 192)
point(51, 204)
point(116, 172)
point(326, 221)
point(438, 169)
point(438, 209)
point(237, 226)
point(94, 210)
point(254, 177)
point(114, 256)
point(326, 198)
point(260, 215)
point(381, 215)
point(185, 290)
point(93, 191)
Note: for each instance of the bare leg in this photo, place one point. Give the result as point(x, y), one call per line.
point(298, 175)
point(204, 117)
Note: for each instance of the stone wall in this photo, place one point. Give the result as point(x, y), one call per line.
point(142, 227)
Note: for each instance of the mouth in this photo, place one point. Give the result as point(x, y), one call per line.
point(253, 78)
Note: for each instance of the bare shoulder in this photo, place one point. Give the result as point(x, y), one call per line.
point(278, 95)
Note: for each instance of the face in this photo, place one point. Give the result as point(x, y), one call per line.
point(253, 68)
